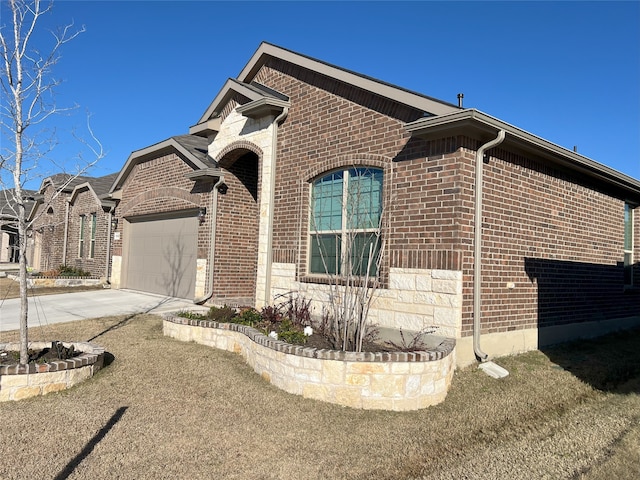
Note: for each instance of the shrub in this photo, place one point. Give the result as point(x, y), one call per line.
point(191, 315)
point(222, 314)
point(67, 271)
point(290, 333)
point(249, 316)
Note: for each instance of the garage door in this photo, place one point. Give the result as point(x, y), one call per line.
point(162, 256)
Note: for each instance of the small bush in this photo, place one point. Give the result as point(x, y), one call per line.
point(249, 316)
point(67, 271)
point(191, 315)
point(290, 333)
point(222, 314)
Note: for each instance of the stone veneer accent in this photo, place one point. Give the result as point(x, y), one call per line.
point(398, 381)
point(415, 299)
point(116, 271)
point(201, 277)
point(24, 381)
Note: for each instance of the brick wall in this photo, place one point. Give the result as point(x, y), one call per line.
point(48, 225)
point(236, 249)
point(85, 203)
point(556, 237)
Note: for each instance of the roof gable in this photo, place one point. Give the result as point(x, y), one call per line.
point(191, 148)
point(266, 50)
point(255, 92)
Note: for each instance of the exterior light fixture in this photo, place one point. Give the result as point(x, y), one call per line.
point(201, 214)
point(114, 223)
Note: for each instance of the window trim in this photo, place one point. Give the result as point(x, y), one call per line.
point(345, 232)
point(81, 236)
point(627, 249)
point(92, 244)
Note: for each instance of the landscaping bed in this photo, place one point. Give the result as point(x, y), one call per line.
point(55, 366)
point(380, 380)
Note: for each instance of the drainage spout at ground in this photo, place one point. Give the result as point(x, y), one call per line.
point(477, 245)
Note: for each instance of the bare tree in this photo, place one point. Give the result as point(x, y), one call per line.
point(28, 103)
point(350, 226)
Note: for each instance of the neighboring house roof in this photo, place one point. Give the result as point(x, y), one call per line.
point(191, 148)
point(73, 184)
point(8, 206)
point(102, 185)
point(486, 128)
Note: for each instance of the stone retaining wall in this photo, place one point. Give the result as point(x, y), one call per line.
point(36, 282)
point(398, 381)
point(24, 381)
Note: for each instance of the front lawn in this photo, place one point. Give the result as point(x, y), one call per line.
point(164, 409)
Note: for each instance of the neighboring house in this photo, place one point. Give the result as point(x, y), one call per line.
point(9, 238)
point(238, 211)
point(72, 224)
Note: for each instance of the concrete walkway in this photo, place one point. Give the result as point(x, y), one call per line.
point(66, 307)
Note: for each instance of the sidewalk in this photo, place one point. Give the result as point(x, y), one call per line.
point(66, 307)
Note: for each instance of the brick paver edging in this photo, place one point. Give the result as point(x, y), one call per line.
point(396, 381)
point(24, 381)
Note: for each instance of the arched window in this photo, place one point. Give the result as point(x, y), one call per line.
point(345, 228)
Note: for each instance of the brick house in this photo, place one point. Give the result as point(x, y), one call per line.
point(9, 238)
point(72, 222)
point(251, 205)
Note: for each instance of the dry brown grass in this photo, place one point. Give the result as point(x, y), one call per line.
point(170, 410)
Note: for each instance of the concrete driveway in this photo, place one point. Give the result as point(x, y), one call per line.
point(65, 307)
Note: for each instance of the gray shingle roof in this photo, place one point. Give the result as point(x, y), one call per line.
point(7, 204)
point(197, 146)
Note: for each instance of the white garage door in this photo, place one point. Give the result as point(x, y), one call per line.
point(162, 256)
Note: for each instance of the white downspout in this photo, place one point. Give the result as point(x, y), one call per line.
point(477, 244)
point(267, 281)
point(107, 273)
point(213, 218)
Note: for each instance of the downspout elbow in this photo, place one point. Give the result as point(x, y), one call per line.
point(477, 244)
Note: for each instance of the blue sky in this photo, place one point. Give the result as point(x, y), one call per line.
point(566, 71)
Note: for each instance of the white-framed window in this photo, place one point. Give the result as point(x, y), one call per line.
point(81, 236)
point(345, 224)
point(92, 245)
point(628, 245)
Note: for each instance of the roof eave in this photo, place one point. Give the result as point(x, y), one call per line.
point(230, 87)
point(485, 127)
point(206, 128)
point(154, 150)
point(263, 107)
point(406, 97)
point(210, 173)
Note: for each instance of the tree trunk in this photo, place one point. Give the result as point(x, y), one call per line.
point(24, 301)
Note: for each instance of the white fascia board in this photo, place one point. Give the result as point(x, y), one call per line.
point(406, 97)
